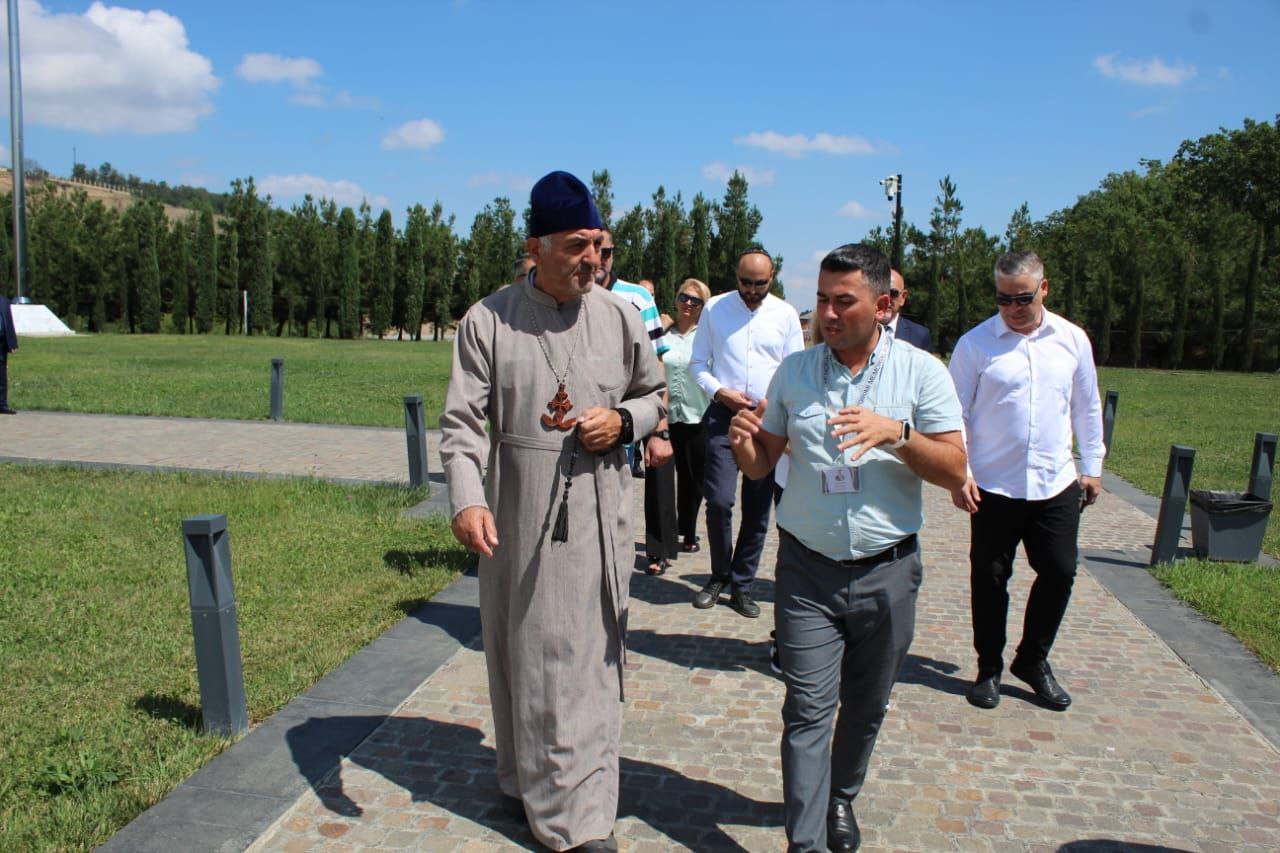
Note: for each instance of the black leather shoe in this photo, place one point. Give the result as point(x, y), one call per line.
point(842, 827)
point(513, 807)
point(1041, 679)
point(607, 845)
point(709, 594)
point(741, 601)
point(7, 410)
point(985, 692)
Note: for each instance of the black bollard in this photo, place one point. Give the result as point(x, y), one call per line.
point(1263, 465)
point(1109, 419)
point(213, 624)
point(1177, 487)
point(277, 389)
point(415, 435)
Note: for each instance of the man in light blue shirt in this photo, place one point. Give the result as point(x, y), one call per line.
point(867, 420)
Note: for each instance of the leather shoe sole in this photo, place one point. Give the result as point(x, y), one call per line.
point(985, 692)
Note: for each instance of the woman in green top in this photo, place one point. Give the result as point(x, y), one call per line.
point(687, 404)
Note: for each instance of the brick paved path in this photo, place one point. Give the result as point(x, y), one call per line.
point(1147, 754)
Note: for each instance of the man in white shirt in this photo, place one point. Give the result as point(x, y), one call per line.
point(1026, 382)
point(742, 338)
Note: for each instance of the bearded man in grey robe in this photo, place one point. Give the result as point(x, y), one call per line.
point(564, 377)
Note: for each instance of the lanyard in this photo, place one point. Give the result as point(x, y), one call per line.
point(886, 343)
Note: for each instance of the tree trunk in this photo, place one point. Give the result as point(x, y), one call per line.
point(1251, 298)
point(1137, 317)
point(1218, 349)
point(1104, 321)
point(1179, 345)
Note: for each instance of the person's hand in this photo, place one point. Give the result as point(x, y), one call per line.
point(745, 424)
point(475, 529)
point(736, 401)
point(966, 497)
point(1092, 488)
point(599, 428)
point(657, 452)
point(859, 425)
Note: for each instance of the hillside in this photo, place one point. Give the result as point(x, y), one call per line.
point(117, 199)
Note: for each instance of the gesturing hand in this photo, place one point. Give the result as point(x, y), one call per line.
point(745, 424)
point(858, 425)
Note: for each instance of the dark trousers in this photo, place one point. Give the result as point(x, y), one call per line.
point(735, 564)
point(660, 539)
point(4, 377)
point(689, 444)
point(843, 633)
point(1047, 529)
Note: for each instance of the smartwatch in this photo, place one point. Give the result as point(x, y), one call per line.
point(902, 439)
point(664, 434)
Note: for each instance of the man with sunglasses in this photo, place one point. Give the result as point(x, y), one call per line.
point(742, 338)
point(1027, 384)
point(904, 328)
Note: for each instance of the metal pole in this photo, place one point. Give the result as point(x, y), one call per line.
point(897, 227)
point(19, 178)
point(1263, 465)
point(1109, 420)
point(213, 624)
point(277, 389)
point(1177, 487)
point(415, 435)
point(244, 307)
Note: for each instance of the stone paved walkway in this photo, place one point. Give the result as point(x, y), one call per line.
point(1147, 755)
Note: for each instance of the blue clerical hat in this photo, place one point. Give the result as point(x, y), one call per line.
point(561, 202)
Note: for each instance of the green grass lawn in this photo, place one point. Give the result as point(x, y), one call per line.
point(1216, 413)
point(1243, 598)
point(99, 700)
point(214, 376)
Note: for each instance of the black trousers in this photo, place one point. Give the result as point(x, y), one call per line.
point(1047, 530)
point(736, 564)
point(4, 377)
point(660, 512)
point(689, 443)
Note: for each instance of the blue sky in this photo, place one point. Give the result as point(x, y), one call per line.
point(405, 102)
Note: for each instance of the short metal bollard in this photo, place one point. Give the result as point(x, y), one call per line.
point(415, 435)
point(277, 389)
point(1263, 465)
point(1109, 419)
point(1173, 505)
point(213, 624)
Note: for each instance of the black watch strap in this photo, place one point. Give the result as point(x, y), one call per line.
point(628, 433)
point(664, 434)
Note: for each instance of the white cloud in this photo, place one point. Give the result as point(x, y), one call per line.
point(798, 145)
point(720, 173)
point(1148, 111)
point(112, 70)
point(414, 135)
point(516, 183)
point(856, 210)
point(1149, 72)
point(273, 68)
point(296, 186)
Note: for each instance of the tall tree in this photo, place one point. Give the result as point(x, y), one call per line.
point(737, 222)
point(602, 190)
point(348, 283)
point(699, 265)
point(206, 271)
point(383, 277)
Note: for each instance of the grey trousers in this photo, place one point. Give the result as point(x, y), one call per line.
point(843, 634)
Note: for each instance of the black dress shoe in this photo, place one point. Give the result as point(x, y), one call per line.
point(985, 692)
point(513, 807)
point(741, 601)
point(1041, 679)
point(842, 827)
point(7, 410)
point(607, 845)
point(709, 594)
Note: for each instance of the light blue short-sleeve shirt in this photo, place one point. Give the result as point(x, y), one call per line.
point(912, 386)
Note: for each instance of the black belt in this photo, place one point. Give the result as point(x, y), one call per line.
point(888, 555)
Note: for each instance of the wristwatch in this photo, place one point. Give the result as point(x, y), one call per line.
point(664, 434)
point(627, 434)
point(902, 439)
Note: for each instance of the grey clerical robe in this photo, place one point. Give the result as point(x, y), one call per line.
point(553, 614)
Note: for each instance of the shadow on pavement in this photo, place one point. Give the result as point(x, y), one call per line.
point(449, 766)
point(691, 651)
point(1110, 845)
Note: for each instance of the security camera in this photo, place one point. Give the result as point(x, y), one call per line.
point(890, 184)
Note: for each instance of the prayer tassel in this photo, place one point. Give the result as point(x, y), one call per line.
point(560, 533)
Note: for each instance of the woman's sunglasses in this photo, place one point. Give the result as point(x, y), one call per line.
point(692, 301)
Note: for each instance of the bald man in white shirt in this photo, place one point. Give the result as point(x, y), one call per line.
point(1027, 383)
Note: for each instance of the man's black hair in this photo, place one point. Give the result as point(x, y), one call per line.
point(860, 257)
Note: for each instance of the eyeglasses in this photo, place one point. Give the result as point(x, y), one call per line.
point(1021, 298)
point(692, 301)
point(894, 294)
point(606, 252)
point(753, 282)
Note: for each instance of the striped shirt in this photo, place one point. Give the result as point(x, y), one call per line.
point(639, 297)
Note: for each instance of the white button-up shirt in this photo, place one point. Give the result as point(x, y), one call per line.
point(1023, 397)
point(740, 349)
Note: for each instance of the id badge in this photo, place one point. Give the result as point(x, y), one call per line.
point(841, 480)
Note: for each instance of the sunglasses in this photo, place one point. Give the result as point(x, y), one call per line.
point(689, 300)
point(894, 294)
point(606, 252)
point(1021, 298)
point(753, 282)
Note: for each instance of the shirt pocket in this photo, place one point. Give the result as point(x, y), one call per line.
point(808, 433)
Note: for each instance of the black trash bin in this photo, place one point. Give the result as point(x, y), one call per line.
point(1228, 525)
